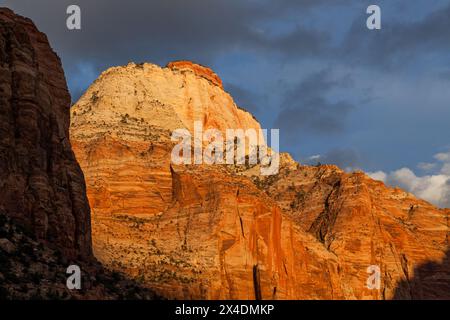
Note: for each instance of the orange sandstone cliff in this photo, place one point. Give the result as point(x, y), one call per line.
point(225, 232)
point(365, 223)
point(197, 69)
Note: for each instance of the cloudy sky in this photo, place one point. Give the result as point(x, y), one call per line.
point(339, 93)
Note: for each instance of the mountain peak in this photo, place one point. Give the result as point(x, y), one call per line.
point(166, 222)
point(197, 69)
point(169, 98)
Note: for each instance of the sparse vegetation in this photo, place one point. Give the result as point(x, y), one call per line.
point(94, 97)
point(34, 271)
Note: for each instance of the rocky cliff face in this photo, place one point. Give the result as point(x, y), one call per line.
point(201, 71)
point(365, 223)
point(44, 211)
point(187, 231)
point(198, 231)
point(121, 131)
point(41, 184)
point(219, 239)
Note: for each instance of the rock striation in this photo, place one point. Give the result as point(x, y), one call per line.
point(199, 70)
point(225, 232)
point(41, 184)
point(121, 130)
point(44, 211)
point(186, 231)
point(365, 223)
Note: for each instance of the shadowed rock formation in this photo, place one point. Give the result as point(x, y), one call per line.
point(430, 281)
point(44, 211)
point(41, 184)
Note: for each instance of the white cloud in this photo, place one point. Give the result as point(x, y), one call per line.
point(443, 157)
point(379, 175)
point(426, 166)
point(433, 188)
point(446, 169)
point(314, 157)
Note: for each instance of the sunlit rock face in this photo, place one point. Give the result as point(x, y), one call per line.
point(226, 232)
point(364, 223)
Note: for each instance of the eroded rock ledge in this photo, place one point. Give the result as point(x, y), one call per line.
point(198, 69)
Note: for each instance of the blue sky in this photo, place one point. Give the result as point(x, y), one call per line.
point(375, 100)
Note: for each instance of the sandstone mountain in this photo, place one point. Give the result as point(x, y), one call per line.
point(44, 211)
point(218, 231)
point(186, 231)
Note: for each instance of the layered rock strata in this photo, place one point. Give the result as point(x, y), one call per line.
point(41, 184)
point(226, 232)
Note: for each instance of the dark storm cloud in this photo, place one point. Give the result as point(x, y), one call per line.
point(305, 4)
point(244, 98)
point(302, 42)
point(307, 109)
point(115, 32)
point(162, 29)
point(398, 43)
